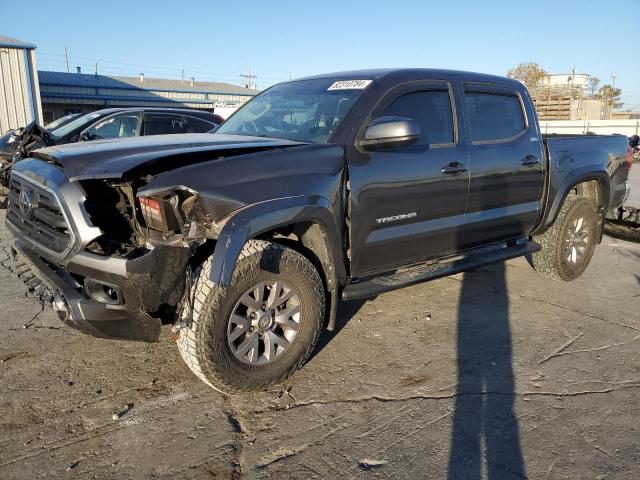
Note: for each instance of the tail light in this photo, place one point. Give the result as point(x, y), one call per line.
point(629, 157)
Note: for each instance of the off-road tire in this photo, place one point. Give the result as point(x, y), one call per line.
point(548, 262)
point(203, 345)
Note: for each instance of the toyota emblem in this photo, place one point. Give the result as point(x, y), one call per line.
point(25, 204)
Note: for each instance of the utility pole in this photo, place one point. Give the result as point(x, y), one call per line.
point(183, 75)
point(96, 69)
point(610, 101)
point(573, 87)
point(573, 78)
point(66, 58)
point(249, 79)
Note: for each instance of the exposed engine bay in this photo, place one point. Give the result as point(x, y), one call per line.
point(132, 225)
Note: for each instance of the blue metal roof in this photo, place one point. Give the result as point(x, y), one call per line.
point(127, 98)
point(132, 83)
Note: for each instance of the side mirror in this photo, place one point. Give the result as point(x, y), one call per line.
point(84, 137)
point(391, 132)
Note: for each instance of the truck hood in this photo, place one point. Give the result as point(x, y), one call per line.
point(120, 158)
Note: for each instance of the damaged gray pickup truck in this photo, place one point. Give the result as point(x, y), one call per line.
point(340, 186)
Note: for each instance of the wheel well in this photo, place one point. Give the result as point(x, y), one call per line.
point(201, 253)
point(590, 189)
point(308, 239)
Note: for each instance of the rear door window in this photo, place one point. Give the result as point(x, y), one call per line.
point(197, 125)
point(163, 124)
point(494, 116)
point(431, 109)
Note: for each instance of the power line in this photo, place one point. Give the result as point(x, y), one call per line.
point(154, 68)
point(134, 70)
point(249, 79)
point(89, 69)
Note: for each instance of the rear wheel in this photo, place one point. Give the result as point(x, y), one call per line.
point(262, 328)
point(567, 247)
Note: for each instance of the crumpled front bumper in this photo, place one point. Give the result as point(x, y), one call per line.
point(146, 283)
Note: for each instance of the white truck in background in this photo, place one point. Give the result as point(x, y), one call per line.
point(626, 223)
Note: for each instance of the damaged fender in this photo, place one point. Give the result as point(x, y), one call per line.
point(253, 220)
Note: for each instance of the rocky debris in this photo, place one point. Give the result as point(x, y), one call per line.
point(121, 413)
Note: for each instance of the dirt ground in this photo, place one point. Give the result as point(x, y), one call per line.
point(492, 374)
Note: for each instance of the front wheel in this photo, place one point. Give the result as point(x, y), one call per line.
point(567, 247)
point(262, 328)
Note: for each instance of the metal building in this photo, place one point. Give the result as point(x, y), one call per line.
point(63, 93)
point(19, 90)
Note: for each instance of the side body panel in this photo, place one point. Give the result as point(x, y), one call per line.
point(506, 176)
point(403, 208)
point(497, 198)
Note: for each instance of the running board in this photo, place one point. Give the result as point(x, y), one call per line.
point(386, 283)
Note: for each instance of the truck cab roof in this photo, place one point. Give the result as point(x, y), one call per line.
point(404, 74)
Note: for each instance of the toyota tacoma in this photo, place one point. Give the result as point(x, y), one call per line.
point(333, 187)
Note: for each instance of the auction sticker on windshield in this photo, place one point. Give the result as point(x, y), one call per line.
point(349, 85)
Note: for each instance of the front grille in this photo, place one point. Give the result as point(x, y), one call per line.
point(36, 213)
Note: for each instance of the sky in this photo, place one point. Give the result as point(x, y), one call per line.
point(216, 41)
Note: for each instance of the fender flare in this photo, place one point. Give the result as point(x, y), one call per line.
point(251, 221)
point(560, 192)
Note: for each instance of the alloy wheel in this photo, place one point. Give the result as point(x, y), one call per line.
point(264, 322)
point(576, 241)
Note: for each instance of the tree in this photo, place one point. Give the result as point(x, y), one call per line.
point(528, 73)
point(611, 96)
point(594, 82)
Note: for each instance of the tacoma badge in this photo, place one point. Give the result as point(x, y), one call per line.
point(395, 218)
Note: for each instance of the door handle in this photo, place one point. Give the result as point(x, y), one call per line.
point(454, 168)
point(529, 160)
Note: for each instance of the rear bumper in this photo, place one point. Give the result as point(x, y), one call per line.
point(142, 282)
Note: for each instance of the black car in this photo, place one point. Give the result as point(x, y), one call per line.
point(60, 122)
point(102, 124)
point(134, 122)
point(9, 141)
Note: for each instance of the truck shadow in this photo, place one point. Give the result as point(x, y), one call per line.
point(346, 311)
point(485, 425)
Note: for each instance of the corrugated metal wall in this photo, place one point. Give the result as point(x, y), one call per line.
point(19, 102)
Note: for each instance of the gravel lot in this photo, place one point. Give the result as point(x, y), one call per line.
point(492, 374)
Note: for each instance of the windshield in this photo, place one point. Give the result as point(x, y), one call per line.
point(304, 111)
point(57, 123)
point(74, 124)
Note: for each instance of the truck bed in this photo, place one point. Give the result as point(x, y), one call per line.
point(574, 158)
